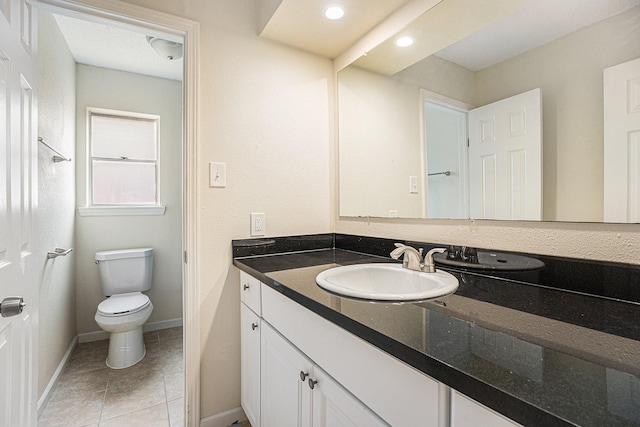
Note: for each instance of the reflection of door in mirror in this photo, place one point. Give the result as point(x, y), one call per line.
point(445, 130)
point(505, 158)
point(622, 142)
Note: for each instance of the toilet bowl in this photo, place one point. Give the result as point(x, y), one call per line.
point(123, 316)
point(124, 275)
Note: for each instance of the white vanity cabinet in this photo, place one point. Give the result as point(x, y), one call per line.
point(295, 392)
point(300, 369)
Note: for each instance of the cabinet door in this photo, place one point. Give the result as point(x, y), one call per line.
point(286, 398)
point(466, 412)
point(250, 364)
point(333, 406)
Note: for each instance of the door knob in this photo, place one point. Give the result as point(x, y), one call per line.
point(254, 326)
point(303, 375)
point(312, 383)
point(12, 306)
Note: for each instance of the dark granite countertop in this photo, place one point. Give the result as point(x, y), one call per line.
point(538, 355)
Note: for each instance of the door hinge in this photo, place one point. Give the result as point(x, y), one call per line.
point(185, 257)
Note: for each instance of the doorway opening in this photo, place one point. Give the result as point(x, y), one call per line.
point(151, 23)
point(445, 159)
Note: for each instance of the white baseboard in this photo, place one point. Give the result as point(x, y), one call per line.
point(147, 327)
point(224, 419)
point(46, 394)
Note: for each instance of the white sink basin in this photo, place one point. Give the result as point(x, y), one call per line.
point(386, 282)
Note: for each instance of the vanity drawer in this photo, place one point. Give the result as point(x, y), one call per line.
point(250, 292)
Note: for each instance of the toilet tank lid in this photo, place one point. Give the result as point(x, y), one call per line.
point(123, 253)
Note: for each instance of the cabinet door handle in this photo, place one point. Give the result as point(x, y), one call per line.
point(312, 383)
point(303, 375)
point(254, 326)
point(245, 287)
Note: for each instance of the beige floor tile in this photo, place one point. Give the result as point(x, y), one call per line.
point(176, 412)
point(74, 385)
point(154, 416)
point(154, 349)
point(171, 332)
point(89, 394)
point(81, 411)
point(88, 357)
point(141, 373)
point(133, 396)
point(174, 385)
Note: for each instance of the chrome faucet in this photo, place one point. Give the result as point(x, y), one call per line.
point(412, 258)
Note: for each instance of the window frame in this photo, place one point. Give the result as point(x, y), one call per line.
point(91, 209)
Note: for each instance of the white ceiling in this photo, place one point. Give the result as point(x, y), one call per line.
point(116, 48)
point(302, 24)
point(535, 24)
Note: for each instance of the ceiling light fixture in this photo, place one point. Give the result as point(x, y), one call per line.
point(404, 41)
point(334, 12)
point(165, 48)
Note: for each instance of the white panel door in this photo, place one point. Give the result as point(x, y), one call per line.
point(505, 158)
point(18, 204)
point(284, 388)
point(622, 142)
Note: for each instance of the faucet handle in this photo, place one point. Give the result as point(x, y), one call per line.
point(429, 264)
point(397, 253)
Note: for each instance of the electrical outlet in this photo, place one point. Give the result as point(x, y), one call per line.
point(257, 224)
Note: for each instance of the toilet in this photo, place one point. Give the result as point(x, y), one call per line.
point(124, 275)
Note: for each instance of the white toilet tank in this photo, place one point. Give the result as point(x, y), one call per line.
point(125, 270)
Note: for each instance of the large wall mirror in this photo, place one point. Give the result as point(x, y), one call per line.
point(501, 109)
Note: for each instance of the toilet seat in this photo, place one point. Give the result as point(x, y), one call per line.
point(123, 304)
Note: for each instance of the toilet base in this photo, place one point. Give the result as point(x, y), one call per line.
point(125, 349)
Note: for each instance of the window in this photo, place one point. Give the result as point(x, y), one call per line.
point(123, 166)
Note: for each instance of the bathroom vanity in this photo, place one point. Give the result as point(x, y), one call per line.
point(500, 351)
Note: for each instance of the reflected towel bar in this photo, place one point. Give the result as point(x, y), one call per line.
point(59, 157)
point(58, 252)
point(447, 173)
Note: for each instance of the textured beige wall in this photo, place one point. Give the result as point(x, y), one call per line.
point(264, 111)
point(56, 125)
point(606, 242)
point(118, 90)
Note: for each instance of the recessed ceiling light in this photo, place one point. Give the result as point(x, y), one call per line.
point(334, 12)
point(404, 41)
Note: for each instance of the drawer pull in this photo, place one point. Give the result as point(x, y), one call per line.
point(303, 376)
point(245, 287)
point(312, 383)
point(254, 326)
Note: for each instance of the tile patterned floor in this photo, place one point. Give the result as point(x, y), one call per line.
point(147, 394)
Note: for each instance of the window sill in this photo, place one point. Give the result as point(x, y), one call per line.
point(121, 211)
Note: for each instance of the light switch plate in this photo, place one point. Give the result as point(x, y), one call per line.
point(217, 174)
point(413, 184)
